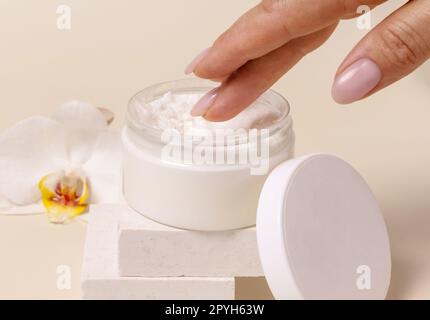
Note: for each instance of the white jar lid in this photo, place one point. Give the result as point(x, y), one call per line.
point(320, 232)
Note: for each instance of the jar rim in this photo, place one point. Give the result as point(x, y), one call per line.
point(192, 85)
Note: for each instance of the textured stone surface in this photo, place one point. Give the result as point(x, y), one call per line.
point(147, 248)
point(100, 278)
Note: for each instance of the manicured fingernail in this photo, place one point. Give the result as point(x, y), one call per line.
point(190, 68)
point(203, 105)
point(356, 81)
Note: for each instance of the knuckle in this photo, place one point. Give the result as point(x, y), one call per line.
point(228, 44)
point(278, 8)
point(402, 46)
point(271, 6)
point(347, 7)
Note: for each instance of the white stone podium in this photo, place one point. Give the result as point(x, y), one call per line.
point(128, 256)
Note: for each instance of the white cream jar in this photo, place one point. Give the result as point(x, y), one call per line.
point(320, 232)
point(189, 173)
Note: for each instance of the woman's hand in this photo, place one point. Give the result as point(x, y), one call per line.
point(272, 37)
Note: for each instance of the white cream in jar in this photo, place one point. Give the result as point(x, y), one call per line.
point(193, 174)
point(190, 173)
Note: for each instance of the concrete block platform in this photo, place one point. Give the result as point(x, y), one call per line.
point(100, 275)
point(150, 249)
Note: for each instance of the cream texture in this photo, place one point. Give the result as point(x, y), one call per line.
point(206, 191)
point(172, 111)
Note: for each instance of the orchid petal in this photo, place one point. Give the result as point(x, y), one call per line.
point(4, 203)
point(83, 217)
point(31, 209)
point(83, 124)
point(104, 169)
point(28, 151)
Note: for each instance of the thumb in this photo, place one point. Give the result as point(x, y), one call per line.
point(394, 49)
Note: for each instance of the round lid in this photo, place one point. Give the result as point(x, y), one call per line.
point(320, 232)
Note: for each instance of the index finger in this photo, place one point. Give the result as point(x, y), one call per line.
point(268, 26)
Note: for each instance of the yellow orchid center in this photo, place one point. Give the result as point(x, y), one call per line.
point(64, 196)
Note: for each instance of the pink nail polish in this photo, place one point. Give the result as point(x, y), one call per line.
point(356, 81)
point(203, 105)
point(190, 68)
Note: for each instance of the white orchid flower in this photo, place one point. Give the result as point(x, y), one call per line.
point(60, 164)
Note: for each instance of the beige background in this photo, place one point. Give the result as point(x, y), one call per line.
point(117, 47)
